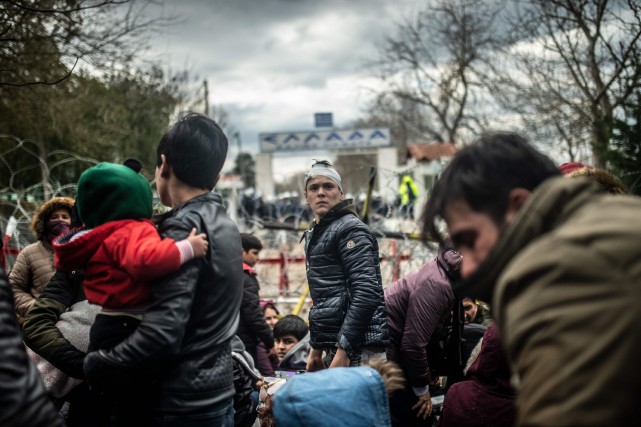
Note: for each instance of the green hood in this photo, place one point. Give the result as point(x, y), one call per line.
point(109, 192)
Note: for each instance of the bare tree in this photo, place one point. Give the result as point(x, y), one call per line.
point(570, 68)
point(42, 41)
point(428, 70)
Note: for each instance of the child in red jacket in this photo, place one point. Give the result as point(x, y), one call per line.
point(121, 253)
point(119, 248)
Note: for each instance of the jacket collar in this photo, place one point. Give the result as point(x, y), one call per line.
point(211, 196)
point(551, 204)
point(345, 207)
point(249, 269)
point(342, 208)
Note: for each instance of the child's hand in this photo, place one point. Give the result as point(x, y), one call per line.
point(198, 243)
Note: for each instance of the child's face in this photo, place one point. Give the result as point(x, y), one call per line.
point(284, 344)
point(251, 257)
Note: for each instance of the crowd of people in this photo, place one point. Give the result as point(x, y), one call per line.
point(526, 316)
point(290, 208)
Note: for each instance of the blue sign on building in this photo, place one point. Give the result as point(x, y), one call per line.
point(323, 120)
point(327, 139)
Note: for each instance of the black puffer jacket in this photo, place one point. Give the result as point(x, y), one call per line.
point(184, 337)
point(252, 327)
point(345, 283)
point(23, 401)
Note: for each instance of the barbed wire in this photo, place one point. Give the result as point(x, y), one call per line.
point(20, 197)
point(20, 200)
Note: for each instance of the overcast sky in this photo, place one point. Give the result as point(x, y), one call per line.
point(273, 63)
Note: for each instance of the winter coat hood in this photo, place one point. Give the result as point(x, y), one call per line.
point(42, 215)
point(110, 192)
point(487, 389)
point(491, 366)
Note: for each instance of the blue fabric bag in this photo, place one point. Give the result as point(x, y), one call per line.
point(349, 397)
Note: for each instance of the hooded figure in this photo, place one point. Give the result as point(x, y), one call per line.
point(34, 266)
point(486, 397)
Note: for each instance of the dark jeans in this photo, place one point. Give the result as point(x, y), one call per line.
point(131, 396)
point(87, 409)
point(219, 415)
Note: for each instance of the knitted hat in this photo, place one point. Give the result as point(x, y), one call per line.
point(109, 192)
point(323, 168)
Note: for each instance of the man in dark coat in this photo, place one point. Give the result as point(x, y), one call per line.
point(560, 260)
point(418, 309)
point(252, 327)
point(347, 321)
point(184, 338)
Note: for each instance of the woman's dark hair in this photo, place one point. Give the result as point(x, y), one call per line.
point(291, 324)
point(483, 174)
point(196, 149)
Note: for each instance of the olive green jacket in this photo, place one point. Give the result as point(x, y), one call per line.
point(565, 281)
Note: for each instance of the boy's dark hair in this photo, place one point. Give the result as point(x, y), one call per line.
point(291, 325)
point(196, 148)
point(483, 174)
point(250, 242)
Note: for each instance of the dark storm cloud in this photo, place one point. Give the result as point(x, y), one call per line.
point(273, 63)
point(305, 41)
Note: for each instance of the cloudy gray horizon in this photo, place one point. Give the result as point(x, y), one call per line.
point(272, 64)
